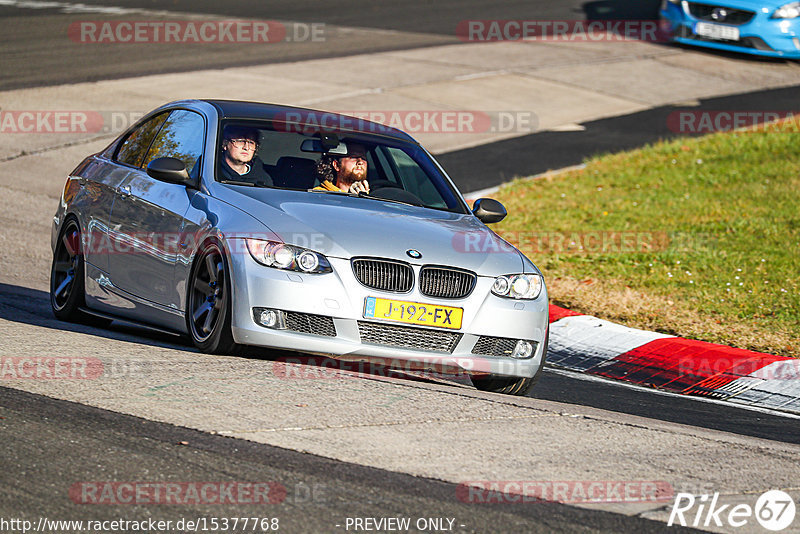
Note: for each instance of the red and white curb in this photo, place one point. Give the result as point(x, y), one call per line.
point(594, 346)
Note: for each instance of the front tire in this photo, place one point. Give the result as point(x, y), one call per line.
point(510, 385)
point(67, 290)
point(506, 385)
point(66, 274)
point(208, 311)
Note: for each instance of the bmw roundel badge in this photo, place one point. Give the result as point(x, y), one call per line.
point(416, 254)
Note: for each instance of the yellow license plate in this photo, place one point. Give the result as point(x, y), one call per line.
point(413, 313)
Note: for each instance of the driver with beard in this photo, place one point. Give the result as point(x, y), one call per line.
point(347, 173)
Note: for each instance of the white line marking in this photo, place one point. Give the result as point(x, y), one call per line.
point(571, 127)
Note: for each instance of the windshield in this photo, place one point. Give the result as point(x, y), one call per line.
point(259, 155)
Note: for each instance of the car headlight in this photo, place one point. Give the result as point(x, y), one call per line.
point(518, 286)
point(787, 11)
point(288, 257)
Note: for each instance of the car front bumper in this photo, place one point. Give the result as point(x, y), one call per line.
point(761, 35)
point(327, 317)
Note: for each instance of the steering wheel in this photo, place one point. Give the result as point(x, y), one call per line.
point(391, 191)
point(382, 184)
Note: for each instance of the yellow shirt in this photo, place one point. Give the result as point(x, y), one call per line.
point(327, 185)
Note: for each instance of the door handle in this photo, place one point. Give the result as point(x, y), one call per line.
point(124, 191)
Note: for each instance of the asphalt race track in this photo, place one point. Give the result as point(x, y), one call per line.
point(32, 50)
point(34, 307)
point(321, 493)
point(367, 446)
point(539, 152)
point(53, 444)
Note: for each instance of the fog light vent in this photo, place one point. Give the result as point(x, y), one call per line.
point(523, 350)
point(507, 347)
point(269, 318)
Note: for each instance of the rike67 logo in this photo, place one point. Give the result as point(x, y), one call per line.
point(774, 510)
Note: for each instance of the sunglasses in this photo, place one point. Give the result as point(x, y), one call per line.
point(241, 143)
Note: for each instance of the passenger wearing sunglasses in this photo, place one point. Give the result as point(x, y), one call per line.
point(239, 162)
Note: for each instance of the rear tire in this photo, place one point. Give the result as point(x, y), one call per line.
point(510, 385)
point(208, 310)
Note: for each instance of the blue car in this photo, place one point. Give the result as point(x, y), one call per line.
point(760, 27)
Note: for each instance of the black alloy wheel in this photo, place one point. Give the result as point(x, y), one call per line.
point(67, 290)
point(66, 274)
point(208, 314)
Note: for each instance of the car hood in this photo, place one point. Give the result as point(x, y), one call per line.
point(752, 5)
point(344, 227)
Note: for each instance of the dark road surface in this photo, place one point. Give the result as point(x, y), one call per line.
point(37, 48)
point(50, 446)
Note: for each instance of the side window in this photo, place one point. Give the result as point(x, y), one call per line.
point(135, 147)
point(181, 137)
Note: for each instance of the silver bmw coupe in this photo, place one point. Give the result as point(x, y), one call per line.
point(240, 223)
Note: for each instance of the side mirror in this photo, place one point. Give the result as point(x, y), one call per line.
point(489, 210)
point(170, 170)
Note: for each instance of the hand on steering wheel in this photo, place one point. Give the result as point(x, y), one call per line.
point(359, 187)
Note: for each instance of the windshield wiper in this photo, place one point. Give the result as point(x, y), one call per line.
point(393, 201)
point(251, 184)
point(328, 191)
point(365, 195)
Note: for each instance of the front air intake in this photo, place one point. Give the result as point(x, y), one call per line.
point(385, 275)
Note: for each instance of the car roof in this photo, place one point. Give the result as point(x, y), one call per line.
point(237, 109)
